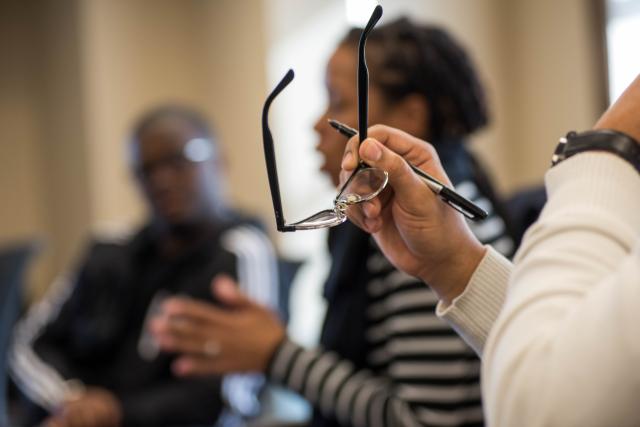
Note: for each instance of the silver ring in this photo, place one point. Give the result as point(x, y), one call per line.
point(211, 348)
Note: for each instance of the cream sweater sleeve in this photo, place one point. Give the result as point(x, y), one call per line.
point(473, 313)
point(565, 349)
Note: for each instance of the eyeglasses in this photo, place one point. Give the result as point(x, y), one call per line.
point(364, 184)
point(196, 150)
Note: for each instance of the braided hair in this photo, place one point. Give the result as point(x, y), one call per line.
point(406, 58)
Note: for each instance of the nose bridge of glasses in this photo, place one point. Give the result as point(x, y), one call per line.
point(363, 185)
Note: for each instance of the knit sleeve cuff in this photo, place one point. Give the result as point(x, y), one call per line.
point(473, 312)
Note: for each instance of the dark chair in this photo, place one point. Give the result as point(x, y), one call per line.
point(13, 262)
point(287, 270)
point(523, 209)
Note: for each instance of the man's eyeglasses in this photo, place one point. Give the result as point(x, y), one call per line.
point(364, 184)
point(196, 150)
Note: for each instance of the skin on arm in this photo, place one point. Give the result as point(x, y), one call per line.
point(623, 114)
point(95, 407)
point(417, 232)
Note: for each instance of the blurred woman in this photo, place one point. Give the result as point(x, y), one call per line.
point(385, 359)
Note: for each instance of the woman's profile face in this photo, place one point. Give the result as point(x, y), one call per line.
point(341, 84)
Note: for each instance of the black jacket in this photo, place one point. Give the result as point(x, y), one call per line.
point(95, 333)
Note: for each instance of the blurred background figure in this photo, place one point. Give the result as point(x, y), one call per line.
point(84, 354)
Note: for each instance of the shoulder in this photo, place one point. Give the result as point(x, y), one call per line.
point(106, 257)
point(256, 266)
point(242, 233)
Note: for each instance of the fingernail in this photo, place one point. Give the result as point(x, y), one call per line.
point(346, 160)
point(371, 151)
point(225, 286)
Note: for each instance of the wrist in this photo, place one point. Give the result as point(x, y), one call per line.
point(603, 140)
point(272, 370)
point(451, 280)
point(272, 349)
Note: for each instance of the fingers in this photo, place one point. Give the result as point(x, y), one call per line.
point(351, 156)
point(195, 365)
point(227, 292)
point(182, 343)
point(78, 416)
point(405, 183)
point(179, 307)
point(182, 334)
point(94, 408)
point(414, 150)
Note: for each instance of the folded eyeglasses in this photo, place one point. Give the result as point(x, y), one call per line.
point(365, 183)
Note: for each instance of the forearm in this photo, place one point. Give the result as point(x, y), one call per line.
point(571, 308)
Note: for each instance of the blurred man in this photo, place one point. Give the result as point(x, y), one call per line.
point(84, 354)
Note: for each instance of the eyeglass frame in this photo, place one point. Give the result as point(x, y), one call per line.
point(363, 109)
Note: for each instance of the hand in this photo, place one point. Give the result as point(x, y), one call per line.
point(210, 340)
point(95, 407)
point(623, 114)
point(417, 232)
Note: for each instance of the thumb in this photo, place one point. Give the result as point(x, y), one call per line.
point(404, 181)
point(227, 292)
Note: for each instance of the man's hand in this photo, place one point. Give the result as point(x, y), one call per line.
point(241, 337)
point(417, 232)
point(95, 407)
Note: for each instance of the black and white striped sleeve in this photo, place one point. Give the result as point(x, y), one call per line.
point(353, 397)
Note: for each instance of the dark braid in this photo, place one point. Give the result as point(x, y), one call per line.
point(406, 58)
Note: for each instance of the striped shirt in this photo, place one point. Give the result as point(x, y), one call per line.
point(418, 373)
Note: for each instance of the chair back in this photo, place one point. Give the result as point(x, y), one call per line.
point(13, 262)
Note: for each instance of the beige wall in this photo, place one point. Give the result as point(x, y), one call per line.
point(138, 54)
point(539, 62)
point(43, 188)
point(552, 86)
point(80, 70)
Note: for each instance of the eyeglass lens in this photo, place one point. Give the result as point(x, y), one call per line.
point(363, 185)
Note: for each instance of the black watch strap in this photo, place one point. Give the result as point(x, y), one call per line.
point(598, 140)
